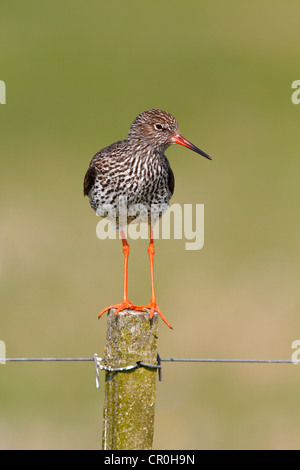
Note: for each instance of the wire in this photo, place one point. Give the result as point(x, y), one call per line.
point(171, 359)
point(49, 359)
point(252, 361)
point(97, 362)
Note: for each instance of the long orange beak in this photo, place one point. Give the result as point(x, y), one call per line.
point(178, 139)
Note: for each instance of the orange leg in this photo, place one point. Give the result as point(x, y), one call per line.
point(152, 304)
point(125, 304)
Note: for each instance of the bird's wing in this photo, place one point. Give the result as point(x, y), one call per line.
point(171, 178)
point(99, 161)
point(89, 179)
point(171, 181)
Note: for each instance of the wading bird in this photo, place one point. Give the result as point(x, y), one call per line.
point(137, 170)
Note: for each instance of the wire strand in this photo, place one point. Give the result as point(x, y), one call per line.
point(171, 359)
point(251, 361)
point(49, 359)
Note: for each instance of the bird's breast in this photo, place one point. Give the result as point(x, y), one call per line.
point(139, 178)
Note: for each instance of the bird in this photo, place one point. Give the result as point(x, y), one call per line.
point(136, 171)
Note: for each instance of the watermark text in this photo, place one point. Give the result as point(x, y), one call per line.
point(2, 352)
point(178, 222)
point(296, 94)
point(2, 92)
point(296, 354)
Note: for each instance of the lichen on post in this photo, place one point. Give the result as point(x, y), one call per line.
point(129, 405)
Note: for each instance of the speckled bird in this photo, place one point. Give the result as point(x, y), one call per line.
point(136, 172)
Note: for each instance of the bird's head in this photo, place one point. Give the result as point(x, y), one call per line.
point(160, 130)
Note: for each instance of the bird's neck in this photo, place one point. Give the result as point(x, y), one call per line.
point(144, 148)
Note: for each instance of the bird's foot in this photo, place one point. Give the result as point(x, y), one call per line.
point(127, 305)
point(124, 305)
point(153, 307)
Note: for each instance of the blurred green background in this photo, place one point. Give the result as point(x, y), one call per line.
point(77, 73)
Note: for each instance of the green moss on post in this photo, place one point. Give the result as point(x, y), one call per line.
point(129, 406)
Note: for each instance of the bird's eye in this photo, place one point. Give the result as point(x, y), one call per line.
point(158, 127)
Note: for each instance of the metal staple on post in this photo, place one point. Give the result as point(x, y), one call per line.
point(138, 364)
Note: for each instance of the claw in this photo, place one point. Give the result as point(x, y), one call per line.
point(127, 305)
point(153, 308)
point(124, 305)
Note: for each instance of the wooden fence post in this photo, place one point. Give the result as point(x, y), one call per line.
point(129, 405)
